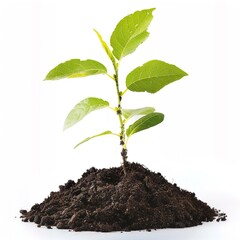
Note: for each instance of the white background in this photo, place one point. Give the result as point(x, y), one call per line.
point(196, 146)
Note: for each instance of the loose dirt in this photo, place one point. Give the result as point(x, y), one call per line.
point(107, 200)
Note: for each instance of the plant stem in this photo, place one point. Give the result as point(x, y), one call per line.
point(121, 121)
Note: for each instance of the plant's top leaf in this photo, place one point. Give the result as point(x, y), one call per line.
point(130, 32)
point(76, 68)
point(82, 109)
point(152, 76)
point(89, 138)
point(129, 113)
point(148, 121)
point(105, 46)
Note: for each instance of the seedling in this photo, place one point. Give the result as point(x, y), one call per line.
point(151, 77)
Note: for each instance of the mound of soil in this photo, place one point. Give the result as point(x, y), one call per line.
point(107, 200)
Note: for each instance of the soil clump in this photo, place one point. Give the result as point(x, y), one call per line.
point(107, 200)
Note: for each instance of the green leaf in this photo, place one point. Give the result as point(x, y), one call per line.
point(105, 46)
point(76, 68)
point(129, 113)
point(145, 122)
point(82, 109)
point(130, 32)
point(89, 138)
point(152, 76)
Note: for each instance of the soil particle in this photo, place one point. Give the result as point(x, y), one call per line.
point(23, 212)
point(37, 219)
point(107, 200)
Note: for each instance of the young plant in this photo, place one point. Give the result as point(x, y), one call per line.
point(152, 76)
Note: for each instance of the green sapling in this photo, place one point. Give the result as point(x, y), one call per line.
point(152, 76)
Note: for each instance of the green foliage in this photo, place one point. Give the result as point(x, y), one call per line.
point(82, 109)
point(89, 138)
point(130, 32)
point(148, 121)
point(105, 47)
point(129, 113)
point(152, 76)
point(76, 68)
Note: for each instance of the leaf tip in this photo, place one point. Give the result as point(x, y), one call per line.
point(65, 127)
point(150, 10)
point(76, 146)
point(46, 78)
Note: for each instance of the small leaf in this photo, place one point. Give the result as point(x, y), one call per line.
point(89, 138)
point(82, 109)
point(105, 46)
point(145, 122)
point(76, 68)
point(129, 113)
point(152, 76)
point(130, 32)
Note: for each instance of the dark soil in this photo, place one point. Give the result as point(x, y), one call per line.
point(107, 200)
